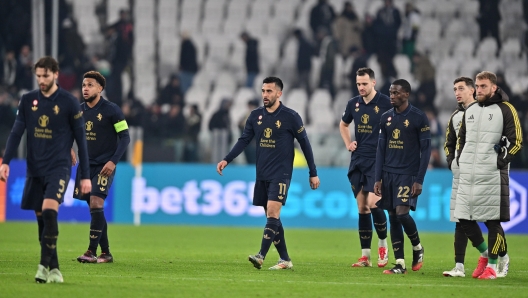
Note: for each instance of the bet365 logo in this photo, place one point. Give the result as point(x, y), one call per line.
point(518, 205)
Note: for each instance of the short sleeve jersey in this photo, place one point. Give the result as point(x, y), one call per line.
point(274, 133)
point(401, 133)
point(102, 124)
point(50, 122)
point(366, 118)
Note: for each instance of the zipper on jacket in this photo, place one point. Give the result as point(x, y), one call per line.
point(473, 167)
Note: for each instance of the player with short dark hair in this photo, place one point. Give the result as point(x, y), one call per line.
point(464, 89)
point(404, 149)
point(107, 138)
point(53, 119)
point(366, 110)
point(275, 127)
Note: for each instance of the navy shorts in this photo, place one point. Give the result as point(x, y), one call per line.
point(270, 190)
point(100, 184)
point(37, 189)
point(396, 191)
point(361, 174)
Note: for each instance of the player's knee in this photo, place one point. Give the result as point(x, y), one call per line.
point(363, 209)
point(96, 202)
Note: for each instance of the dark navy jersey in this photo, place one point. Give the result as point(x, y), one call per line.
point(366, 118)
point(404, 137)
point(103, 123)
point(50, 123)
point(274, 133)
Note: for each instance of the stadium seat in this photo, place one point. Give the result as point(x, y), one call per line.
point(198, 96)
point(487, 49)
point(463, 49)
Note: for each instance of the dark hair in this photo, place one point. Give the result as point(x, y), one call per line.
point(404, 85)
point(92, 74)
point(487, 75)
point(366, 71)
point(277, 81)
point(469, 82)
point(47, 63)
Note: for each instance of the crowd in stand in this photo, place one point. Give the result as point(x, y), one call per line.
point(171, 127)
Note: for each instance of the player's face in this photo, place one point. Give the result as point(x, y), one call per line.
point(90, 89)
point(365, 85)
point(45, 79)
point(485, 89)
point(270, 94)
point(463, 93)
point(398, 96)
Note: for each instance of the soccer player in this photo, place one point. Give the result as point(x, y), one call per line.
point(275, 126)
point(107, 138)
point(464, 89)
point(366, 109)
point(53, 119)
point(490, 136)
point(404, 149)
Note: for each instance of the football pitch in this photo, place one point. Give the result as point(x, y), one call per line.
point(184, 261)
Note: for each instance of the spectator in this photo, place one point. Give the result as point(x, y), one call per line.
point(488, 19)
point(327, 53)
point(251, 149)
point(220, 127)
point(424, 72)
point(252, 59)
point(411, 27)
point(305, 52)
point(9, 70)
point(175, 131)
point(347, 30)
point(322, 16)
point(368, 36)
point(193, 126)
point(134, 113)
point(17, 23)
point(24, 77)
point(388, 23)
point(360, 61)
point(122, 39)
point(7, 117)
point(154, 126)
point(501, 83)
point(172, 94)
point(436, 138)
point(188, 62)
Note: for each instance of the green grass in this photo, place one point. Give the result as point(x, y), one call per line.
point(182, 261)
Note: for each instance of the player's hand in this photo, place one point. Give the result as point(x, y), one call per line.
point(86, 186)
point(314, 182)
point(74, 157)
point(352, 146)
point(377, 188)
point(4, 172)
point(416, 190)
point(220, 167)
point(108, 169)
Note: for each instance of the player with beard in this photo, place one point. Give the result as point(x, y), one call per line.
point(275, 127)
point(53, 119)
point(490, 136)
point(107, 137)
point(402, 157)
point(366, 110)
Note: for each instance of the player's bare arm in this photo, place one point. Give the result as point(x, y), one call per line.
point(416, 189)
point(4, 172)
point(315, 182)
point(377, 188)
point(73, 157)
point(345, 135)
point(108, 169)
point(220, 167)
